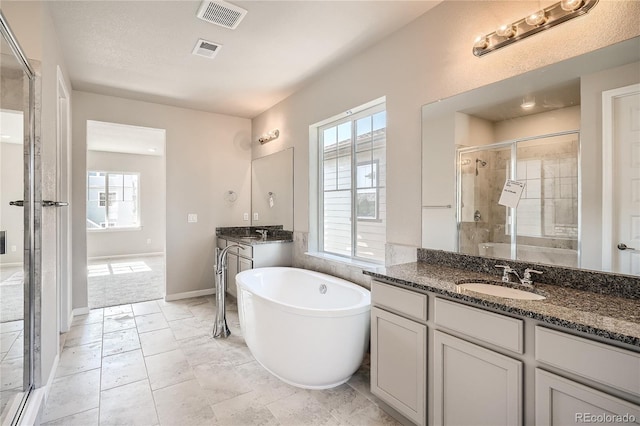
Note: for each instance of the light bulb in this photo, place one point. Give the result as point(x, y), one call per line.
point(570, 5)
point(481, 42)
point(507, 31)
point(536, 19)
point(528, 102)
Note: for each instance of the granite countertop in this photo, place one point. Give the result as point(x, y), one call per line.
point(607, 316)
point(257, 239)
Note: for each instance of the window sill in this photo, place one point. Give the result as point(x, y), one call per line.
point(122, 229)
point(370, 266)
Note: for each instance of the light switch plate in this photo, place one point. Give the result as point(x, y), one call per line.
point(255, 216)
point(192, 218)
point(245, 216)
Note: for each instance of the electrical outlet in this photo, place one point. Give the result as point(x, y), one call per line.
point(148, 240)
point(192, 218)
point(255, 216)
point(14, 249)
point(245, 216)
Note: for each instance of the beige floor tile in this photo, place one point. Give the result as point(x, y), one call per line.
point(118, 310)
point(192, 408)
point(84, 334)
point(267, 387)
point(7, 340)
point(301, 408)
point(145, 308)
point(151, 322)
point(79, 358)
point(120, 341)
point(94, 316)
point(204, 350)
point(168, 368)
point(173, 311)
point(118, 322)
point(73, 394)
point(342, 401)
point(11, 326)
point(11, 374)
point(221, 382)
point(190, 327)
point(130, 404)
point(123, 368)
point(243, 410)
point(371, 416)
point(158, 341)
point(17, 349)
point(86, 418)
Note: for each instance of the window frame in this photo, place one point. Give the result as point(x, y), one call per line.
point(353, 117)
point(108, 202)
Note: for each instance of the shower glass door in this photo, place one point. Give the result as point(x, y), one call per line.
point(544, 225)
point(482, 222)
point(16, 225)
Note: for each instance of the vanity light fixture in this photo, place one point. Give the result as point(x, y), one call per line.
point(534, 23)
point(269, 136)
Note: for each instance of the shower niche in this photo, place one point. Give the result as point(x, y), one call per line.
point(543, 227)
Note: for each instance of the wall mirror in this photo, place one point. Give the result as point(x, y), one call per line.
point(543, 129)
point(272, 190)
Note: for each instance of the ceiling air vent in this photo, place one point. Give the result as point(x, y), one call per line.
point(206, 48)
point(221, 13)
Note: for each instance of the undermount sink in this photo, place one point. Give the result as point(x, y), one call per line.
point(497, 288)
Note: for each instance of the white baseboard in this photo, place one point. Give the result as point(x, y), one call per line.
point(189, 294)
point(52, 375)
point(11, 265)
point(126, 256)
point(79, 311)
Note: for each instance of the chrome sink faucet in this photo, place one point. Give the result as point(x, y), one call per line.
point(506, 270)
point(526, 280)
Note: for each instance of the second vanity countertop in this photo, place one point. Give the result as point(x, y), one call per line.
point(609, 317)
point(254, 241)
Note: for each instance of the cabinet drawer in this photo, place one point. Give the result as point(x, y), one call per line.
point(602, 363)
point(496, 329)
point(403, 301)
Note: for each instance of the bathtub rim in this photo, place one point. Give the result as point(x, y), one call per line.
point(364, 306)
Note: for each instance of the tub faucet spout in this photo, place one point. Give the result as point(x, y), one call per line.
point(220, 328)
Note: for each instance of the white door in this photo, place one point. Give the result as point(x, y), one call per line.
point(621, 180)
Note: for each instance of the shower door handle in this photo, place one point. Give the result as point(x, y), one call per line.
point(18, 203)
point(48, 203)
point(623, 246)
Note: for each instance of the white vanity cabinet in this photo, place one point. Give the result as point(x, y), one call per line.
point(399, 349)
point(474, 385)
point(251, 256)
point(561, 401)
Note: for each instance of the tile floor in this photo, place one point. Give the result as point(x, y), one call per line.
point(155, 363)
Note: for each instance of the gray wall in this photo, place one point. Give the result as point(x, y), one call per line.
point(152, 206)
point(206, 155)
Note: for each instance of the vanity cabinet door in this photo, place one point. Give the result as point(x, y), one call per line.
point(398, 363)
point(560, 401)
point(473, 385)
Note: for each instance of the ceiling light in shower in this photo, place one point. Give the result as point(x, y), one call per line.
point(528, 102)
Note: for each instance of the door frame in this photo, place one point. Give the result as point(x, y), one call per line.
point(63, 168)
point(608, 209)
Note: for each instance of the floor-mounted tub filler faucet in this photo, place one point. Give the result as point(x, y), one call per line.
point(220, 328)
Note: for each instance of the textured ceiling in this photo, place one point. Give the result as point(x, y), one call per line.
point(142, 49)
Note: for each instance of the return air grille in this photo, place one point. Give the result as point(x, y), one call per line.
point(206, 49)
point(221, 13)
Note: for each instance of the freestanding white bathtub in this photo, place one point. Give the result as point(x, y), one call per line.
point(309, 329)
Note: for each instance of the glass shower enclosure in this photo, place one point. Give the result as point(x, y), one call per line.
point(543, 226)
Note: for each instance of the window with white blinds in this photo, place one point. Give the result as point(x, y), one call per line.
point(352, 196)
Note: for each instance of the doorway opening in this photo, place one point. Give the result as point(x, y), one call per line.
point(126, 214)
